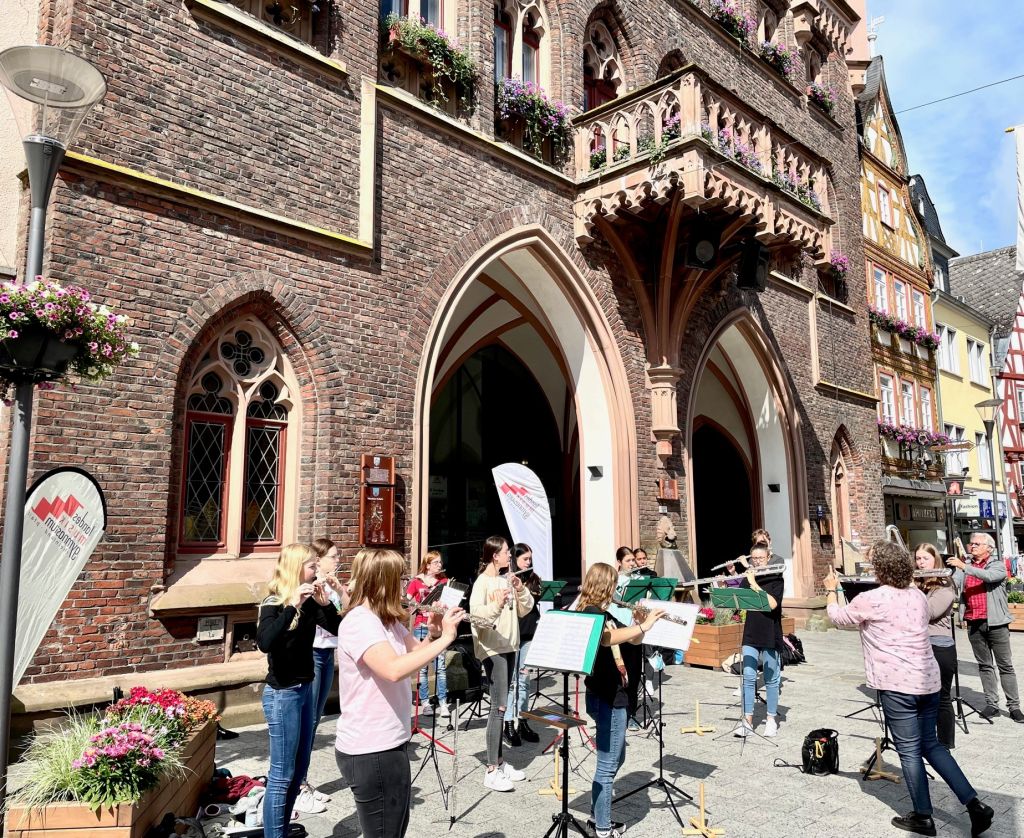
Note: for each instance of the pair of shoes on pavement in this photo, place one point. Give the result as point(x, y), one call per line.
point(980, 814)
point(633, 725)
point(618, 829)
point(310, 801)
point(503, 777)
point(745, 728)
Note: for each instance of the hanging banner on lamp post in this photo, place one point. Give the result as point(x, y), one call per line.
point(65, 518)
point(525, 504)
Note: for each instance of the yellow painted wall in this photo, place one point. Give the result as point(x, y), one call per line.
point(958, 394)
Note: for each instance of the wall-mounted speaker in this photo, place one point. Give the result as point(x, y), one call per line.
point(754, 263)
point(702, 246)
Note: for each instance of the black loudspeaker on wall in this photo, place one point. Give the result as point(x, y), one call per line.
point(753, 266)
point(702, 247)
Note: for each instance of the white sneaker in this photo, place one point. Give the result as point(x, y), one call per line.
point(511, 773)
point(743, 730)
point(771, 727)
point(444, 710)
point(497, 781)
point(318, 795)
point(308, 804)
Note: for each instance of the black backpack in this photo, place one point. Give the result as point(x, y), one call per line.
point(820, 752)
point(792, 650)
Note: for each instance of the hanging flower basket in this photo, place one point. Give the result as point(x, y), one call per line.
point(49, 331)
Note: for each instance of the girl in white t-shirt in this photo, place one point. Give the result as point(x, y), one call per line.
point(376, 655)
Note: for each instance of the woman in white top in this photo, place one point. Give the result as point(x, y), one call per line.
point(376, 655)
point(500, 598)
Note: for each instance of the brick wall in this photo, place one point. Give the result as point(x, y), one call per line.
point(230, 116)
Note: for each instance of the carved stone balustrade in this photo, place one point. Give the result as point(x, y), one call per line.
point(685, 132)
point(826, 24)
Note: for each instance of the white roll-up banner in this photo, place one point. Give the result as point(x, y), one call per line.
point(65, 518)
point(525, 504)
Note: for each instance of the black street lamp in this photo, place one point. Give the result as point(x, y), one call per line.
point(51, 91)
point(989, 410)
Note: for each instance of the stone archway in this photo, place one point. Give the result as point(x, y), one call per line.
point(524, 288)
point(739, 386)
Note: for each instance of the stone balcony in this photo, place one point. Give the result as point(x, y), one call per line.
point(685, 132)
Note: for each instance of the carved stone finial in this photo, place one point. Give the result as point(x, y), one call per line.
point(667, 533)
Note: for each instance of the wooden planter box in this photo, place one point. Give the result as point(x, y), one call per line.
point(789, 625)
point(1017, 612)
point(126, 820)
point(716, 643)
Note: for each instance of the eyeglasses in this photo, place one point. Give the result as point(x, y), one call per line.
point(976, 544)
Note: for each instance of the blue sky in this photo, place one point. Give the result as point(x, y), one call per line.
point(934, 48)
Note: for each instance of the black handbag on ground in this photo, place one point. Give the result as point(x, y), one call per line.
point(820, 752)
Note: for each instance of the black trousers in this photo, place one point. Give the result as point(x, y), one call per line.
point(381, 784)
point(946, 725)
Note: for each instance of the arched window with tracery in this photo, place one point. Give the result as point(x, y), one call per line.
point(602, 68)
point(532, 31)
point(240, 466)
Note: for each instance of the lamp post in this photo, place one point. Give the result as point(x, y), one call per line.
point(51, 92)
point(988, 410)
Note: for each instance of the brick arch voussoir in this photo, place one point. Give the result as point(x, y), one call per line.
point(847, 447)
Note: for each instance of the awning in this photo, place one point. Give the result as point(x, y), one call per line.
point(911, 488)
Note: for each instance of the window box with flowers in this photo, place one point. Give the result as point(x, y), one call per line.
point(905, 435)
point(117, 774)
point(645, 144)
point(801, 188)
point(527, 118)
point(729, 15)
point(823, 96)
point(428, 63)
point(49, 332)
point(917, 335)
point(780, 58)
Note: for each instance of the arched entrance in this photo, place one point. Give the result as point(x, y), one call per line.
point(740, 414)
point(722, 497)
point(521, 324)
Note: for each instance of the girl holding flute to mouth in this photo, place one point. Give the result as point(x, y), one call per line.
point(498, 598)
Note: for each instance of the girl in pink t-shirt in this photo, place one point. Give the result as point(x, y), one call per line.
point(376, 656)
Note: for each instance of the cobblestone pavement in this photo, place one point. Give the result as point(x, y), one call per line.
point(746, 793)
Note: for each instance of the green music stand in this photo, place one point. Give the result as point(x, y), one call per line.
point(549, 591)
point(660, 588)
point(740, 599)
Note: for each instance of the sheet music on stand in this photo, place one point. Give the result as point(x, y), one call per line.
point(666, 633)
point(566, 641)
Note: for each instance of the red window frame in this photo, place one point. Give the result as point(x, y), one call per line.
point(221, 544)
point(247, 546)
point(503, 22)
point(532, 40)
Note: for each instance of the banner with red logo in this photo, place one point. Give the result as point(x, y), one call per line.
point(65, 517)
point(525, 504)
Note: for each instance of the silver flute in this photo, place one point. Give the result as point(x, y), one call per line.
point(435, 608)
point(641, 612)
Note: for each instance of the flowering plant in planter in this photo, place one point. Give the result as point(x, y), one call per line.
point(113, 758)
point(743, 153)
point(439, 50)
point(708, 616)
point(544, 118)
point(732, 19)
point(822, 96)
point(839, 264)
point(96, 339)
point(802, 189)
point(907, 435)
point(780, 57)
point(915, 334)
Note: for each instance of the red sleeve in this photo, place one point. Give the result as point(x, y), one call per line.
point(417, 589)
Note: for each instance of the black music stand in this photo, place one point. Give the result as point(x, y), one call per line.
point(851, 587)
point(647, 587)
point(662, 589)
point(434, 744)
point(959, 701)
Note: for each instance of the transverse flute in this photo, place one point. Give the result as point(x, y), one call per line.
point(768, 570)
point(434, 608)
point(942, 572)
point(640, 613)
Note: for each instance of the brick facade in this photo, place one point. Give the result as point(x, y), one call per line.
point(236, 117)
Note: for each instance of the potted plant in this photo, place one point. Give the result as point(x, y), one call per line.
point(451, 72)
point(117, 773)
point(780, 58)
point(733, 20)
point(822, 96)
point(719, 634)
point(49, 331)
point(1016, 601)
point(525, 114)
point(839, 265)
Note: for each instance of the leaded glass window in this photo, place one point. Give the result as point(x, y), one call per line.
point(239, 409)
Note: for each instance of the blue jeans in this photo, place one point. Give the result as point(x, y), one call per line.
point(752, 658)
point(323, 680)
point(290, 721)
point(517, 703)
point(422, 633)
point(911, 720)
point(611, 752)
